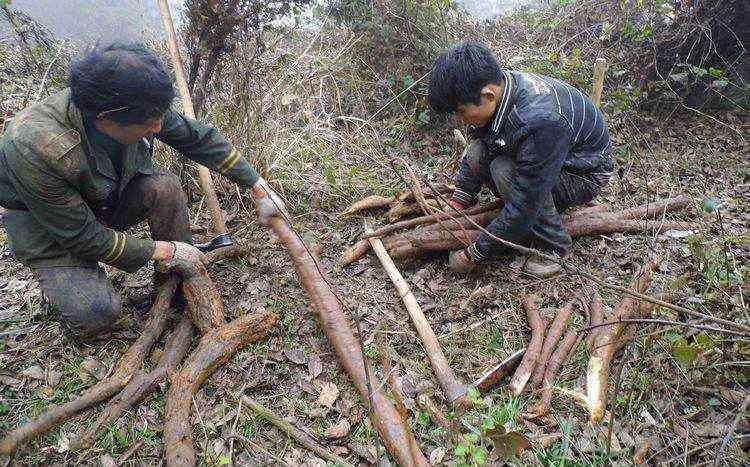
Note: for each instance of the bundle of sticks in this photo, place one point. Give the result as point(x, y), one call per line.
point(439, 232)
point(401, 205)
point(546, 353)
point(543, 357)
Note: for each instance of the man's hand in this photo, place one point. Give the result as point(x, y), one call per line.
point(268, 203)
point(184, 255)
point(460, 262)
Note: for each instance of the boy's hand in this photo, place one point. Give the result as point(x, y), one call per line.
point(457, 204)
point(460, 262)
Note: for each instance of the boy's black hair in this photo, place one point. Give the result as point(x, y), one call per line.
point(459, 75)
point(126, 82)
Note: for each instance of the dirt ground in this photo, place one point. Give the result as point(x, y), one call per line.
point(680, 388)
point(680, 405)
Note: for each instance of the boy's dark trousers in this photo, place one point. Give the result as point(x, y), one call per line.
point(82, 295)
point(572, 189)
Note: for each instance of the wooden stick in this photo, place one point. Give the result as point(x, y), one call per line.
point(394, 432)
point(600, 68)
point(298, 435)
point(530, 357)
point(204, 176)
point(453, 388)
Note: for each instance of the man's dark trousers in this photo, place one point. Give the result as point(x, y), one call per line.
point(572, 189)
point(85, 299)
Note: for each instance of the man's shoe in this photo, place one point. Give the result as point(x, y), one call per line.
point(541, 267)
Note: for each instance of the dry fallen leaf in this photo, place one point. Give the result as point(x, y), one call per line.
point(53, 377)
point(314, 366)
point(507, 444)
point(63, 444)
point(295, 355)
point(437, 455)
point(107, 461)
point(329, 392)
point(34, 372)
point(338, 430)
point(93, 367)
point(367, 453)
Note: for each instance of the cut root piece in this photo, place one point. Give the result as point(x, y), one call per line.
point(554, 332)
point(596, 317)
point(605, 345)
point(432, 219)
point(538, 326)
point(103, 390)
point(213, 350)
point(589, 221)
point(204, 304)
point(371, 202)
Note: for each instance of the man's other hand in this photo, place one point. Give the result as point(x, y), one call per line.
point(268, 203)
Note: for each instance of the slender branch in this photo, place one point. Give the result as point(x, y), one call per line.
point(668, 323)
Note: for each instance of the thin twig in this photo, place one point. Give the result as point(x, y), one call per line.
point(668, 323)
point(742, 412)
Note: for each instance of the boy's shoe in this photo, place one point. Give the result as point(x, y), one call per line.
point(541, 267)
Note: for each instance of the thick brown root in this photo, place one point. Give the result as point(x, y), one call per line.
point(408, 195)
point(587, 221)
point(103, 390)
point(214, 349)
point(393, 431)
point(371, 202)
point(432, 242)
point(143, 384)
point(554, 332)
point(553, 367)
point(204, 304)
point(533, 350)
point(605, 345)
point(596, 317)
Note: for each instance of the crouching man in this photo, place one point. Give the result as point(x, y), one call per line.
point(76, 170)
point(541, 146)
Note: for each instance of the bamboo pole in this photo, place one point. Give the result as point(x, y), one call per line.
point(204, 176)
point(453, 388)
point(600, 68)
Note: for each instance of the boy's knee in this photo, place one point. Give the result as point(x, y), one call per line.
point(476, 156)
point(93, 317)
point(502, 169)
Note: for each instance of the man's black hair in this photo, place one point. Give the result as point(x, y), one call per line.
point(459, 75)
point(125, 82)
